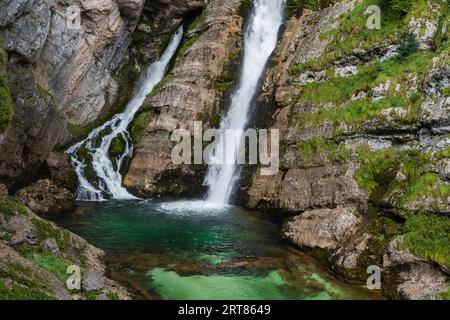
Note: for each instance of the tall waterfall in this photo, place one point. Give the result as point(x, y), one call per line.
point(99, 140)
point(260, 40)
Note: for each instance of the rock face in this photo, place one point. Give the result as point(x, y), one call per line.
point(188, 93)
point(350, 129)
point(43, 266)
point(323, 228)
point(60, 73)
point(44, 197)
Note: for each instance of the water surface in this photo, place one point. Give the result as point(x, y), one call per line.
point(186, 250)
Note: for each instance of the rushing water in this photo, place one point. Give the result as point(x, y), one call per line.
point(99, 140)
point(219, 254)
point(259, 41)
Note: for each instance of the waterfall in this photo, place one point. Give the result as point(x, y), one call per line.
point(98, 142)
point(259, 41)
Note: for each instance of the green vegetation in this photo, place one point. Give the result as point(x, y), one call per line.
point(399, 6)
point(117, 147)
point(24, 285)
point(10, 206)
point(188, 42)
point(139, 124)
point(339, 91)
point(444, 295)
point(427, 237)
point(51, 263)
point(318, 151)
point(46, 95)
point(6, 104)
point(223, 85)
point(353, 33)
point(163, 42)
point(408, 45)
point(139, 36)
point(196, 22)
point(295, 7)
point(158, 88)
point(47, 230)
point(379, 171)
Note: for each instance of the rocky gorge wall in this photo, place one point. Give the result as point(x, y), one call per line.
point(364, 121)
point(363, 115)
point(57, 82)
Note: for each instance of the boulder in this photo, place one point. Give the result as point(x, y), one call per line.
point(322, 228)
point(44, 197)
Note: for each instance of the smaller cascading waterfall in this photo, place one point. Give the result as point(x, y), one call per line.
point(99, 140)
point(259, 42)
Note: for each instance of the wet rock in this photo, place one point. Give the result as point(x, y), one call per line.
point(44, 197)
point(93, 280)
point(61, 171)
point(322, 228)
point(50, 245)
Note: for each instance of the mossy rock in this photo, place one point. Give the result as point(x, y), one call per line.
point(117, 146)
point(6, 104)
point(427, 237)
point(139, 124)
point(11, 206)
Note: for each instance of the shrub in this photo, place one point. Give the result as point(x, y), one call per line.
point(408, 45)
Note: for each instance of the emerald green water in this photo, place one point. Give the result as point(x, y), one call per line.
point(200, 253)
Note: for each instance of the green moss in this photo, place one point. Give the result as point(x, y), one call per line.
point(163, 42)
point(46, 95)
point(446, 92)
point(51, 263)
point(6, 104)
point(186, 44)
point(158, 88)
point(444, 295)
point(379, 170)
point(139, 36)
point(46, 230)
point(139, 124)
point(196, 22)
point(10, 206)
point(91, 295)
point(117, 147)
point(113, 295)
point(338, 91)
point(24, 284)
point(427, 237)
point(223, 85)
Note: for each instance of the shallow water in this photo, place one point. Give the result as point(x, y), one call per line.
point(185, 250)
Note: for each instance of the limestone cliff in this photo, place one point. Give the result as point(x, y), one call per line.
point(61, 56)
point(193, 90)
point(364, 119)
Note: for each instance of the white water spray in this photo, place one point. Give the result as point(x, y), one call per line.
point(260, 40)
point(110, 178)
